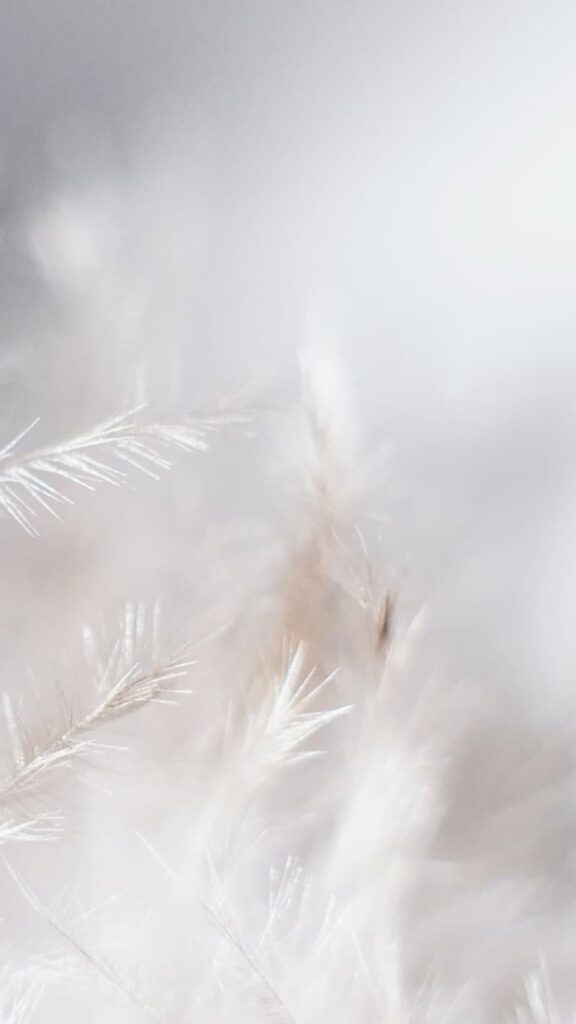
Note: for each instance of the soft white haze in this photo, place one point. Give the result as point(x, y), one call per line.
point(368, 208)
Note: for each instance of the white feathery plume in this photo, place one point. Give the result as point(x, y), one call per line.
point(99, 965)
point(103, 455)
point(220, 918)
point(45, 827)
point(282, 724)
point(122, 687)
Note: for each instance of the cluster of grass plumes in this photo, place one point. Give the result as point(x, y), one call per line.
point(253, 824)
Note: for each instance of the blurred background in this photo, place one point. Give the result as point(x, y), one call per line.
point(185, 188)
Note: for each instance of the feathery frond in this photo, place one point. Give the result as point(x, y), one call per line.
point(283, 723)
point(122, 686)
point(98, 964)
point(269, 998)
point(104, 455)
point(43, 828)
